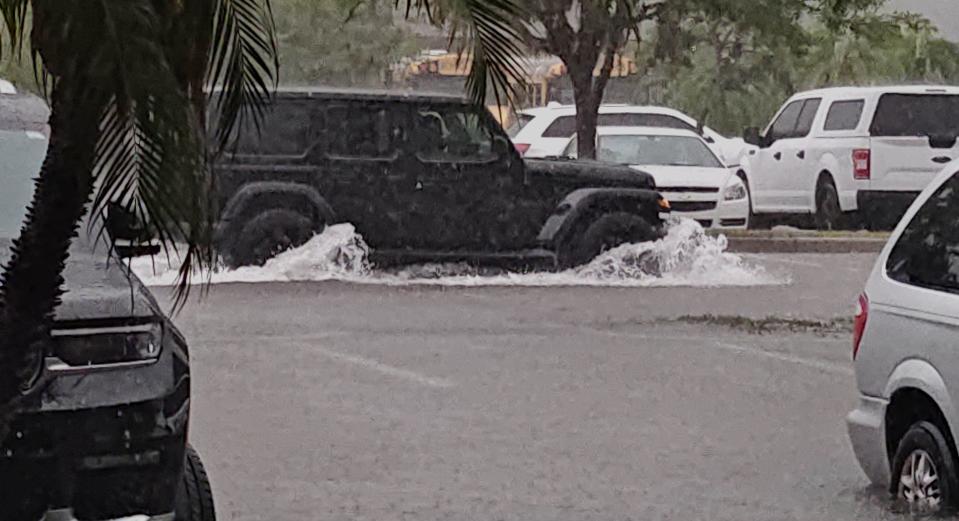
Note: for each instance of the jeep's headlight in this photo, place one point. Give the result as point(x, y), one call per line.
point(734, 191)
point(108, 345)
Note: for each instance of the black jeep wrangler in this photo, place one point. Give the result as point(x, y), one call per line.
point(423, 178)
point(102, 431)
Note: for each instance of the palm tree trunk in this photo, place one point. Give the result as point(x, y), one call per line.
point(32, 280)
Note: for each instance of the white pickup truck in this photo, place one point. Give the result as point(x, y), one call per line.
point(853, 151)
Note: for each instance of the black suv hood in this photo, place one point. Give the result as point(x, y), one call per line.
point(98, 287)
point(596, 173)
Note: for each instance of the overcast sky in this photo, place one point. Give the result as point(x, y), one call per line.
point(944, 13)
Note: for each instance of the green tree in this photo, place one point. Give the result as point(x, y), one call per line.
point(334, 43)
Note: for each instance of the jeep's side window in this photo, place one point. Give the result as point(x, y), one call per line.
point(284, 131)
point(927, 253)
point(451, 134)
point(785, 124)
point(361, 131)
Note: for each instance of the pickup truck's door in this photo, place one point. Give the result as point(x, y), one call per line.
point(771, 163)
point(461, 181)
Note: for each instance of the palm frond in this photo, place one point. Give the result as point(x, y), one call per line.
point(243, 65)
point(485, 32)
point(14, 13)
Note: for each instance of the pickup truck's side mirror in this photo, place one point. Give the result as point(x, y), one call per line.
point(751, 136)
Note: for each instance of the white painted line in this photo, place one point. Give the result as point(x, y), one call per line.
point(757, 257)
point(827, 367)
point(396, 372)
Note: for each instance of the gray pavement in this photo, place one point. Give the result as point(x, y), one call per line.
point(338, 401)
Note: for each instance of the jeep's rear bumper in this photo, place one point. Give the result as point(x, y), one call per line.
point(104, 463)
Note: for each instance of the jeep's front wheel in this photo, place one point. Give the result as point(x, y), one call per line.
point(269, 233)
point(194, 498)
point(605, 233)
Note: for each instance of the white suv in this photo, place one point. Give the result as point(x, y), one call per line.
point(545, 131)
point(906, 358)
point(832, 152)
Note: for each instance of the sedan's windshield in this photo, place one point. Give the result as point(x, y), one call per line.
point(656, 150)
point(20, 156)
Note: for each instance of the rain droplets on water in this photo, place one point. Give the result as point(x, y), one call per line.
point(687, 256)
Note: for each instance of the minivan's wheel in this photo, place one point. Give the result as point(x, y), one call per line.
point(828, 212)
point(194, 498)
point(605, 233)
point(269, 233)
point(924, 471)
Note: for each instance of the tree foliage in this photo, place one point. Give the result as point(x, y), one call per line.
point(737, 72)
point(332, 42)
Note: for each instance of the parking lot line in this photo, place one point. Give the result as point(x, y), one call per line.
point(396, 372)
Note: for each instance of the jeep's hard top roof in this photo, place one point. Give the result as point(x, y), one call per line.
point(366, 94)
point(609, 108)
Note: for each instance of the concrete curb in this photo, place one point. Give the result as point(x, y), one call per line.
point(746, 244)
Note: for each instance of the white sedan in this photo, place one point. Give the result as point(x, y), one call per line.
point(696, 182)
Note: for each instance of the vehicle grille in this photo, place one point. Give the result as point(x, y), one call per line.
point(693, 189)
point(692, 206)
point(733, 222)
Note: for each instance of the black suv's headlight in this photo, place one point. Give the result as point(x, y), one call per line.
point(108, 345)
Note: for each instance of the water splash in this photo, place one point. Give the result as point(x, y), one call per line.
point(686, 256)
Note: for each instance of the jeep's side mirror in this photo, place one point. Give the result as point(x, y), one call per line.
point(751, 136)
point(131, 238)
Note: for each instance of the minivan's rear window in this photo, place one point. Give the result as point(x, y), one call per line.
point(916, 115)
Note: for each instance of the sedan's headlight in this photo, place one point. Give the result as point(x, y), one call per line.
point(108, 345)
point(735, 191)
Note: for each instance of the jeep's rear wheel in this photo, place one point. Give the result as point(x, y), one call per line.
point(194, 498)
point(270, 233)
point(605, 233)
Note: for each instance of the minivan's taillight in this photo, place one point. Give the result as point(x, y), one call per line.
point(521, 148)
point(861, 163)
point(859, 324)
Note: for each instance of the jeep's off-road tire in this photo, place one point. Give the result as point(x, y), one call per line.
point(194, 499)
point(924, 475)
point(605, 233)
point(269, 233)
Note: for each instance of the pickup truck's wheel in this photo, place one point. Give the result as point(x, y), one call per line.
point(269, 233)
point(829, 214)
point(605, 233)
point(924, 471)
point(194, 498)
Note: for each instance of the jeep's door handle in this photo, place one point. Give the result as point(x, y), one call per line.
point(778, 155)
point(941, 159)
point(801, 154)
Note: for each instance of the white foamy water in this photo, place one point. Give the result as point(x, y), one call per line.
point(685, 257)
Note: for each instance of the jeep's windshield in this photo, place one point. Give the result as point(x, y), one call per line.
point(20, 156)
point(656, 150)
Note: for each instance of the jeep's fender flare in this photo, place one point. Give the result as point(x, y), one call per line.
point(253, 198)
point(589, 203)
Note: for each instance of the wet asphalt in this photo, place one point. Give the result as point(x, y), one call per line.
point(338, 401)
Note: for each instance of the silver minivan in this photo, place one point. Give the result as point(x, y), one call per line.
point(906, 352)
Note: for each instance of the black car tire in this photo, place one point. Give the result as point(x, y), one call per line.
point(928, 438)
point(194, 499)
point(607, 232)
point(269, 233)
point(829, 214)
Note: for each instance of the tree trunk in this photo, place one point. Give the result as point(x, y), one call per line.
point(587, 112)
point(32, 280)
